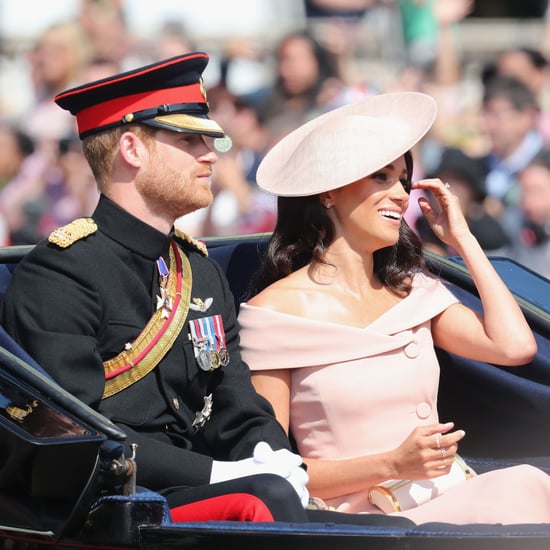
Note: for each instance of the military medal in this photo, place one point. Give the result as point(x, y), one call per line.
point(224, 357)
point(215, 359)
point(164, 301)
point(220, 343)
point(208, 336)
point(204, 360)
point(202, 416)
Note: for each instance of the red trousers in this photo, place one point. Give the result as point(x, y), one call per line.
point(232, 507)
point(264, 497)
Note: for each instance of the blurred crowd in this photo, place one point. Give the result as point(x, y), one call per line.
point(491, 141)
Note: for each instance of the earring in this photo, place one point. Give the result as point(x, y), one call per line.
point(328, 205)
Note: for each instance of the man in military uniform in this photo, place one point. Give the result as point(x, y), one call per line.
point(135, 320)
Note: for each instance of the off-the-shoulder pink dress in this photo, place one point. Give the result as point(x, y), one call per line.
point(359, 391)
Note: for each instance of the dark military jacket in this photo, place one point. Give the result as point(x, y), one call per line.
point(73, 308)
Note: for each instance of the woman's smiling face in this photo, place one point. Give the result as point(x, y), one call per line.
point(369, 211)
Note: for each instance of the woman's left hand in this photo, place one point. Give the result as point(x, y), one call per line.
point(441, 208)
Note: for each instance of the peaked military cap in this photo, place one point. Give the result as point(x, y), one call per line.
point(168, 94)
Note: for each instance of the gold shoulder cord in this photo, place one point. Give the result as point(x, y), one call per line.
point(144, 354)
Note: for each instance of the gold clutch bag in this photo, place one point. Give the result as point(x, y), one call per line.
point(396, 496)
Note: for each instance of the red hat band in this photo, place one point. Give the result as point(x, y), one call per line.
point(115, 110)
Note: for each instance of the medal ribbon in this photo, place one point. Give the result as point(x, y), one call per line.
point(219, 331)
point(208, 332)
point(157, 337)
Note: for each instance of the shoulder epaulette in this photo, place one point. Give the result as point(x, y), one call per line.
point(195, 243)
point(68, 234)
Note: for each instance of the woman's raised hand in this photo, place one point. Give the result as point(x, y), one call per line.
point(442, 209)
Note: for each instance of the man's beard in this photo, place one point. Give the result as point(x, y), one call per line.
point(172, 192)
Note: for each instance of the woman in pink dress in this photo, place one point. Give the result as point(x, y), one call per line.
point(341, 330)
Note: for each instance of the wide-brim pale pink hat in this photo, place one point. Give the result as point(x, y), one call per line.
point(346, 144)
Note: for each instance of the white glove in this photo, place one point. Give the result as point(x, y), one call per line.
point(265, 461)
point(285, 464)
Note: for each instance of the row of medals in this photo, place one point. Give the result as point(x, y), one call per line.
point(210, 360)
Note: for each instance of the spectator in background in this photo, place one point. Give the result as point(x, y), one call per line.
point(527, 64)
point(419, 27)
point(254, 210)
point(104, 25)
point(173, 39)
point(532, 244)
point(56, 61)
point(466, 176)
point(53, 186)
point(509, 114)
point(15, 147)
point(239, 206)
point(438, 71)
point(339, 26)
point(98, 68)
point(432, 42)
point(439, 75)
point(531, 67)
point(306, 81)
point(425, 25)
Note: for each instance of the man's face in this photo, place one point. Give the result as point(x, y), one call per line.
point(506, 126)
point(534, 183)
point(176, 179)
point(298, 68)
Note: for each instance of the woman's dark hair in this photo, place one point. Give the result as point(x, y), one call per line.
point(304, 230)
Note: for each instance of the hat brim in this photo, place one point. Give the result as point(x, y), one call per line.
point(181, 122)
point(346, 144)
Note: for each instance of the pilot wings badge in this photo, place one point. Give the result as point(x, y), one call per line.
point(199, 305)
